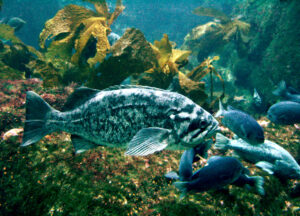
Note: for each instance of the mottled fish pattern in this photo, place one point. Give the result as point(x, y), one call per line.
point(113, 117)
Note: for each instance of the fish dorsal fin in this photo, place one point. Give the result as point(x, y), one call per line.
point(229, 107)
point(117, 87)
point(79, 97)
point(212, 159)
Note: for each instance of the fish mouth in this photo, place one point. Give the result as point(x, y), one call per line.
point(198, 135)
point(212, 129)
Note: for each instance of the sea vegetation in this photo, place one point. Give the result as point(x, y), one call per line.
point(205, 68)
point(213, 36)
point(78, 36)
point(48, 179)
point(19, 61)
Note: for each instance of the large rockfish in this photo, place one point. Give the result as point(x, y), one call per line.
point(144, 119)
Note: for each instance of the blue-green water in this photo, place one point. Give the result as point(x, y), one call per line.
point(207, 51)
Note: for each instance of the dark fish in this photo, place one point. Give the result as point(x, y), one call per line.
point(187, 159)
point(285, 112)
point(144, 119)
point(242, 124)
point(219, 172)
point(185, 166)
point(268, 156)
point(288, 94)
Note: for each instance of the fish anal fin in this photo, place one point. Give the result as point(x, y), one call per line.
point(81, 145)
point(148, 141)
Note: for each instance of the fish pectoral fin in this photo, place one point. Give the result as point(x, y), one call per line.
point(148, 141)
point(235, 137)
point(81, 145)
point(266, 166)
point(213, 158)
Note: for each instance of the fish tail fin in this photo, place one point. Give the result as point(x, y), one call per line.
point(35, 123)
point(182, 186)
point(259, 183)
point(221, 142)
point(220, 111)
point(281, 90)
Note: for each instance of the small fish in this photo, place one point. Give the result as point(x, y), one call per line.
point(112, 38)
point(12, 132)
point(219, 172)
point(285, 112)
point(242, 124)
point(186, 162)
point(144, 119)
point(288, 94)
point(256, 98)
point(268, 156)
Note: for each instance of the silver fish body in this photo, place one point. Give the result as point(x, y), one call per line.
point(268, 156)
point(143, 118)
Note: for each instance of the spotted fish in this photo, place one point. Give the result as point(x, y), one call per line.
point(143, 119)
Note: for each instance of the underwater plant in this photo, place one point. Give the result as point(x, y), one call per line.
point(213, 36)
point(205, 68)
point(79, 35)
point(19, 61)
point(168, 62)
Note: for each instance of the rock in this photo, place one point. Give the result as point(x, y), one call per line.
point(129, 56)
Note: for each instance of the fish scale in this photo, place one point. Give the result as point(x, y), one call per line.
point(145, 119)
point(140, 110)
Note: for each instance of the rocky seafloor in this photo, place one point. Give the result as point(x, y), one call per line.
point(48, 179)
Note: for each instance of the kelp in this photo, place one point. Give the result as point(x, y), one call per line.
point(1, 3)
point(168, 62)
point(205, 68)
point(103, 10)
point(213, 36)
point(77, 28)
point(94, 29)
point(163, 49)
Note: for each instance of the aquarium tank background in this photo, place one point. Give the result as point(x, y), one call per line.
point(239, 60)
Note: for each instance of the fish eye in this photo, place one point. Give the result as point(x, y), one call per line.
point(203, 123)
